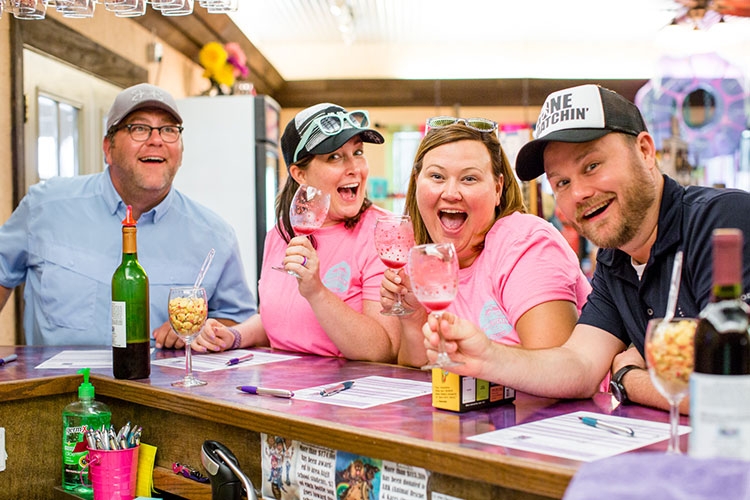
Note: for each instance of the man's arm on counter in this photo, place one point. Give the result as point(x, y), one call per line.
point(638, 383)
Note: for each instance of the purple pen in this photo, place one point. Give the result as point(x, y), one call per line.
point(234, 361)
point(8, 359)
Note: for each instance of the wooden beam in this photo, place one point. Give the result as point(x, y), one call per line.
point(58, 40)
point(188, 34)
point(486, 92)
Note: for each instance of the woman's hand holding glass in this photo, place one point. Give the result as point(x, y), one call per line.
point(214, 337)
point(302, 259)
point(397, 285)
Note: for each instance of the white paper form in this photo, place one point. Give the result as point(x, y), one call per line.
point(218, 360)
point(100, 358)
point(566, 436)
point(368, 392)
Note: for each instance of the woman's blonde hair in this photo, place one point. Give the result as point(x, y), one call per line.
point(510, 199)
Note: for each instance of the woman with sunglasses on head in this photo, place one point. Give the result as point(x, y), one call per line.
point(332, 308)
point(519, 281)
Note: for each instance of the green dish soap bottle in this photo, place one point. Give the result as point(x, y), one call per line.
point(78, 417)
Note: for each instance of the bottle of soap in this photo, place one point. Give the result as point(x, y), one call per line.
point(78, 417)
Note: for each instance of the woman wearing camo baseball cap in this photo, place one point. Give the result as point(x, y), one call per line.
point(333, 308)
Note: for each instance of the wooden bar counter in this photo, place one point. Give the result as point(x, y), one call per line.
point(177, 421)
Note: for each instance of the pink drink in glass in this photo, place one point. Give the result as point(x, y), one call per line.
point(433, 271)
point(394, 237)
point(307, 212)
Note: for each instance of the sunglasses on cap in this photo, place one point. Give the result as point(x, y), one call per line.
point(331, 124)
point(478, 124)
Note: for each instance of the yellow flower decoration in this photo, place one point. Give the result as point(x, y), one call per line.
point(213, 57)
point(225, 75)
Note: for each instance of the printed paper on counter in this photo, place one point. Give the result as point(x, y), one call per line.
point(218, 360)
point(100, 358)
point(567, 437)
point(368, 392)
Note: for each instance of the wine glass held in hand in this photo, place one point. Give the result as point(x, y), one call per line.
point(307, 212)
point(188, 309)
point(669, 355)
point(433, 271)
point(394, 237)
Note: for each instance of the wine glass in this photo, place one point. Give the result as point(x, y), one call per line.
point(188, 309)
point(669, 355)
point(394, 236)
point(433, 271)
point(307, 212)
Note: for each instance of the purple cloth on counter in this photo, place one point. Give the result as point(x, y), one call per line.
point(662, 477)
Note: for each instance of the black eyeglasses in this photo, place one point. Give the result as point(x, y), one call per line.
point(141, 132)
point(479, 124)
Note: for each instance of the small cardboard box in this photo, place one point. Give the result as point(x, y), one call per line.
point(459, 393)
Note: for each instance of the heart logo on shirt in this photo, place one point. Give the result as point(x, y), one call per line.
point(494, 322)
point(338, 277)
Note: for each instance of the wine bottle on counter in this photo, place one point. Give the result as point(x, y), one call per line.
point(720, 383)
point(131, 344)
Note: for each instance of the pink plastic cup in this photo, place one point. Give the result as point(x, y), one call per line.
point(113, 473)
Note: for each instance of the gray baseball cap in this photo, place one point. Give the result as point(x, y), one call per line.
point(137, 97)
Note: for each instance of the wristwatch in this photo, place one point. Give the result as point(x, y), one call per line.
point(615, 385)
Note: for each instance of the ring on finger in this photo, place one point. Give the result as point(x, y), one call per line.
point(304, 261)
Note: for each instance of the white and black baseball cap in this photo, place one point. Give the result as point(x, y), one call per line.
point(316, 142)
point(141, 96)
point(577, 114)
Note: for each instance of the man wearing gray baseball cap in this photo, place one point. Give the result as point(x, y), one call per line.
point(601, 162)
point(64, 239)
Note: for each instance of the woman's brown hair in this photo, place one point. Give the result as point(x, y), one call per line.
point(510, 199)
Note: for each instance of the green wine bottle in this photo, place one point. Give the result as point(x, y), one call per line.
point(131, 345)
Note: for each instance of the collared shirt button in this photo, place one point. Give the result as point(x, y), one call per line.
point(650, 311)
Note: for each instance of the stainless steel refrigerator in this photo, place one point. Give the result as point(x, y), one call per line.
point(231, 165)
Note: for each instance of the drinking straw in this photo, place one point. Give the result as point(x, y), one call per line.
point(674, 286)
point(204, 268)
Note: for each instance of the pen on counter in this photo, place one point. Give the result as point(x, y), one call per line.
point(8, 359)
point(263, 391)
point(330, 391)
point(614, 428)
point(234, 361)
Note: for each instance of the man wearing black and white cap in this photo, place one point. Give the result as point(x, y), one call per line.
point(64, 239)
point(601, 162)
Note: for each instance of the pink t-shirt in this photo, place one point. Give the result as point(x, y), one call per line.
point(525, 262)
point(349, 267)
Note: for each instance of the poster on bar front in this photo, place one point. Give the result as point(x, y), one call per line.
point(293, 470)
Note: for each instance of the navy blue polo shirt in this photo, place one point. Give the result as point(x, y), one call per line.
point(622, 305)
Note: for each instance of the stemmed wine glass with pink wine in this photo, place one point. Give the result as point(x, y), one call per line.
point(307, 212)
point(433, 271)
point(394, 237)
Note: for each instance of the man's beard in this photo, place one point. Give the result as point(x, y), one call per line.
point(634, 203)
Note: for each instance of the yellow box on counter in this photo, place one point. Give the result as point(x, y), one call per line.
point(459, 393)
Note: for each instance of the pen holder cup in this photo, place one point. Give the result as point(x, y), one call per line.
point(112, 473)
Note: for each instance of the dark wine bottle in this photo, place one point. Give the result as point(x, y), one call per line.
point(720, 383)
point(131, 345)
